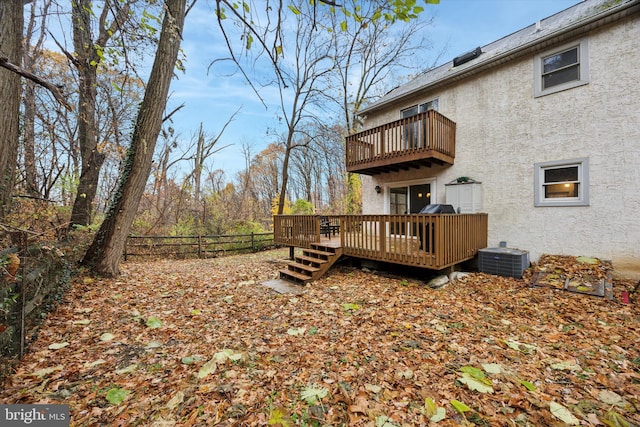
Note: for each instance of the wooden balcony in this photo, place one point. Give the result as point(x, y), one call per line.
point(412, 142)
point(427, 241)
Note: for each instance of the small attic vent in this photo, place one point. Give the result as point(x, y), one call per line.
point(466, 57)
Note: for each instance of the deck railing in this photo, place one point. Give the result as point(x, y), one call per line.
point(429, 241)
point(296, 230)
point(423, 136)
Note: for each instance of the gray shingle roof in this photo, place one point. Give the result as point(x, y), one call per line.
point(581, 14)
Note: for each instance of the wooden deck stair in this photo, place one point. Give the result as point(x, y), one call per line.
point(312, 264)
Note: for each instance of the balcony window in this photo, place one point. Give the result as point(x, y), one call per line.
point(563, 68)
point(562, 183)
point(417, 109)
point(412, 134)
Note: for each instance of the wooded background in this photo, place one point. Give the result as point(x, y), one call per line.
point(89, 140)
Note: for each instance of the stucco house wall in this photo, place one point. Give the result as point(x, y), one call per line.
point(503, 130)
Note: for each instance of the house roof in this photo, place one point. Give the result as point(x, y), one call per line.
point(572, 22)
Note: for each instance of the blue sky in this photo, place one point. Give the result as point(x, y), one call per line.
point(211, 97)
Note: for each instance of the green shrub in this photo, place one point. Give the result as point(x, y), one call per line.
point(302, 207)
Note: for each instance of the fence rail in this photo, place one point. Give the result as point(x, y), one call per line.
point(197, 246)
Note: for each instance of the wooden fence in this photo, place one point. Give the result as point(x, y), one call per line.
point(197, 246)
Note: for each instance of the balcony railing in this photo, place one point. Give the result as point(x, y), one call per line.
point(420, 140)
point(428, 241)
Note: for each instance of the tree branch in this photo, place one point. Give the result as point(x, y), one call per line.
point(172, 113)
point(66, 53)
point(55, 91)
point(330, 3)
point(121, 16)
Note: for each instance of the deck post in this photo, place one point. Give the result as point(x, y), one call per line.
point(291, 252)
point(431, 119)
point(383, 238)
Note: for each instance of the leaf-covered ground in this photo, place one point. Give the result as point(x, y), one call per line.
point(201, 342)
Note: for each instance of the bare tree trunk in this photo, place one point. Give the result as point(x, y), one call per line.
point(11, 25)
point(312, 64)
point(86, 61)
point(247, 205)
point(107, 247)
point(285, 173)
point(87, 58)
point(198, 164)
point(32, 52)
point(28, 140)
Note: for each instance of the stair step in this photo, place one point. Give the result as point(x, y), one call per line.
point(310, 259)
point(323, 248)
point(312, 264)
point(305, 267)
point(317, 252)
point(295, 275)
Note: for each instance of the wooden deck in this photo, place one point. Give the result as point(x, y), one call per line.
point(411, 142)
point(428, 241)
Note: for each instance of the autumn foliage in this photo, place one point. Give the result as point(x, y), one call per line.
point(204, 343)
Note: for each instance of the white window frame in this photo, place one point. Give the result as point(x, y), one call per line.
point(583, 68)
point(583, 180)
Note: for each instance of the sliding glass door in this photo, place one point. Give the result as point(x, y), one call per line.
point(419, 197)
point(409, 199)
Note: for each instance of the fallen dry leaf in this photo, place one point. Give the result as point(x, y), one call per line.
point(377, 347)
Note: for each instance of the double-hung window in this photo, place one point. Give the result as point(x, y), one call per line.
point(562, 183)
point(562, 68)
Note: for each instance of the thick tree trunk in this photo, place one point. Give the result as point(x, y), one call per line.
point(11, 26)
point(106, 249)
point(82, 211)
point(92, 160)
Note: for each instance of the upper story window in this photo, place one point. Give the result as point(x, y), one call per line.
point(562, 68)
point(417, 109)
point(413, 133)
point(562, 183)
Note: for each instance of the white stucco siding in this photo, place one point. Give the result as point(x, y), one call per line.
point(503, 130)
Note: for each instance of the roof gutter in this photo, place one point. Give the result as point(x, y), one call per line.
point(574, 30)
